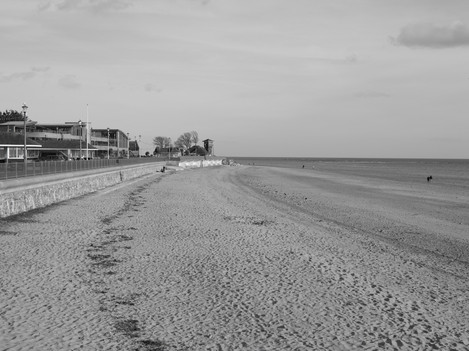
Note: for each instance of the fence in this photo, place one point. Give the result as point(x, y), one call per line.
point(14, 170)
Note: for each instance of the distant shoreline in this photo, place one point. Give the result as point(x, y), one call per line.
point(350, 158)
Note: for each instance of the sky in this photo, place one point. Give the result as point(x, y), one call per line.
point(287, 78)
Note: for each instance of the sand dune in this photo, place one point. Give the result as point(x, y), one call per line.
point(239, 258)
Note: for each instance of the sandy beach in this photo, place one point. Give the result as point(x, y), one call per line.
point(240, 258)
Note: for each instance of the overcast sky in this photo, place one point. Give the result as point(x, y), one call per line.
point(329, 78)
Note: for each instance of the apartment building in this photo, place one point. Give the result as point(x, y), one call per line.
point(70, 140)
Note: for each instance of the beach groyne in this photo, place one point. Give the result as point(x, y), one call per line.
point(25, 194)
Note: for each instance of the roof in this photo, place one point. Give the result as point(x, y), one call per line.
point(18, 123)
point(133, 145)
point(197, 149)
point(64, 144)
point(16, 140)
point(110, 130)
point(58, 125)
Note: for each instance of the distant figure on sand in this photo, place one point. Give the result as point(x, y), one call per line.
point(429, 178)
point(303, 166)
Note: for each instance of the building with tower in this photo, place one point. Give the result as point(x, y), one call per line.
point(208, 145)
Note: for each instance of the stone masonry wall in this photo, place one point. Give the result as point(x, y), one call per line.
point(200, 161)
point(21, 198)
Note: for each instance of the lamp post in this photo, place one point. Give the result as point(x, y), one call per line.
point(87, 133)
point(116, 138)
point(24, 107)
point(87, 140)
point(128, 146)
point(108, 143)
point(91, 141)
point(169, 149)
point(81, 132)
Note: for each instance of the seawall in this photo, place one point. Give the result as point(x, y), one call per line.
point(25, 194)
point(201, 161)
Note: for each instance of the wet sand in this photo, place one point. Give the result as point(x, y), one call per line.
point(240, 258)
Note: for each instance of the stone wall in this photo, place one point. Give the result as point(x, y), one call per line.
point(26, 194)
point(200, 161)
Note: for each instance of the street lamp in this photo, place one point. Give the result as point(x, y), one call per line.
point(128, 146)
point(81, 133)
point(24, 107)
point(169, 149)
point(108, 143)
point(87, 133)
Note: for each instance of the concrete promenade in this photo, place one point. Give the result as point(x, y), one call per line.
point(25, 194)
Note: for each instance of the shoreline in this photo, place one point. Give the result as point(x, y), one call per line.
point(250, 258)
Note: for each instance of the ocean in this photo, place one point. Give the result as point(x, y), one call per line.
point(449, 172)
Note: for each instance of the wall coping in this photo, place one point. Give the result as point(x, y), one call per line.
point(14, 184)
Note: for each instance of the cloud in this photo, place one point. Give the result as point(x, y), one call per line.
point(352, 58)
point(91, 5)
point(433, 35)
point(348, 59)
point(149, 87)
point(69, 82)
point(17, 76)
point(44, 6)
point(23, 75)
point(371, 94)
point(40, 69)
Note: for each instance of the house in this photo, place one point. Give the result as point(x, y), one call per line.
point(73, 139)
point(12, 147)
point(208, 145)
point(134, 149)
point(167, 152)
point(16, 126)
point(66, 149)
point(58, 131)
point(112, 142)
point(196, 150)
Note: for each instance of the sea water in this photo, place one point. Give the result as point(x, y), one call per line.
point(449, 172)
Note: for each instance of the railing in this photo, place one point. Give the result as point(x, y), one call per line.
point(14, 170)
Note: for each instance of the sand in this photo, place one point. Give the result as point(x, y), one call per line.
point(240, 258)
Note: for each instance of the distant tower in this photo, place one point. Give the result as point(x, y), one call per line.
point(208, 145)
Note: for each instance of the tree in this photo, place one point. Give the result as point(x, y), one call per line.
point(184, 141)
point(11, 115)
point(195, 137)
point(161, 142)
